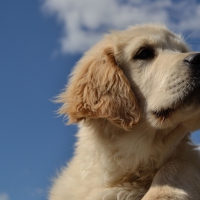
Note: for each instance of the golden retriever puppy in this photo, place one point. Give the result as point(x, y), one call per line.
point(136, 97)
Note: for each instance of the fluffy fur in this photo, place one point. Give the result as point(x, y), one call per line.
point(136, 98)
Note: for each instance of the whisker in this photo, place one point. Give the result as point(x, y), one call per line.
point(191, 34)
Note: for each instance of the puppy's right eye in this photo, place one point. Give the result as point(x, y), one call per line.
point(145, 53)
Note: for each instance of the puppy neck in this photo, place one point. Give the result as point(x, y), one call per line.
point(129, 157)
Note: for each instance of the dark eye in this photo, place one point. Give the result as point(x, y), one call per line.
point(145, 53)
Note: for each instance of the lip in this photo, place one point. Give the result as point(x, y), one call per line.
point(163, 114)
point(192, 98)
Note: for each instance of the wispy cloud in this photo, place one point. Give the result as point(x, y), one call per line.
point(4, 196)
point(38, 192)
point(84, 22)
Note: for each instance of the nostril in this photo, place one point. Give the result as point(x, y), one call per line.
point(193, 59)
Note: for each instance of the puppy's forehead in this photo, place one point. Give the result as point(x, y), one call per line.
point(155, 36)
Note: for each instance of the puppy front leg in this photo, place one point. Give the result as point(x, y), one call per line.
point(175, 181)
point(166, 193)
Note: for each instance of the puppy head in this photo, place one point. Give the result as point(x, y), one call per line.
point(166, 73)
point(99, 89)
point(145, 72)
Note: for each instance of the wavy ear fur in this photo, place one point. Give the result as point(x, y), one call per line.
point(99, 89)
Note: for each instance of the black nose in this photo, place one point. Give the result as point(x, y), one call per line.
point(193, 59)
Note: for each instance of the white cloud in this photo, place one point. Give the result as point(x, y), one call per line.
point(40, 192)
point(85, 21)
point(4, 196)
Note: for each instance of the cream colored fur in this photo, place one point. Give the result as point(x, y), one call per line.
point(128, 148)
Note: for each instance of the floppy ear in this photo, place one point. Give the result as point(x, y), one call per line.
point(99, 89)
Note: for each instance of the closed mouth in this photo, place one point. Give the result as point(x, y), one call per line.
point(192, 97)
point(163, 114)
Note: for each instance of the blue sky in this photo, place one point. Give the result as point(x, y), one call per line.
point(40, 41)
